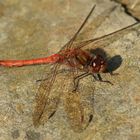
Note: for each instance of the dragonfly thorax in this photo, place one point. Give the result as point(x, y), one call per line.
point(84, 60)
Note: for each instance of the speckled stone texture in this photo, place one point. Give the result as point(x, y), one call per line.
point(39, 28)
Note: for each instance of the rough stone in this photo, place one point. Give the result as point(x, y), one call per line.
point(32, 29)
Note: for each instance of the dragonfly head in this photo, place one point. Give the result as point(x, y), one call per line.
point(98, 64)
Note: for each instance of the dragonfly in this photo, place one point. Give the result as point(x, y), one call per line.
point(76, 56)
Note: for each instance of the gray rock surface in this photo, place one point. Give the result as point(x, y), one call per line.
point(32, 29)
point(132, 7)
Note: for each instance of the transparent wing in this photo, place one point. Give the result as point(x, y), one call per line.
point(92, 27)
point(75, 109)
point(46, 103)
point(105, 40)
point(78, 105)
point(70, 42)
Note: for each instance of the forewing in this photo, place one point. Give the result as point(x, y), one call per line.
point(92, 27)
point(70, 42)
point(46, 103)
point(106, 40)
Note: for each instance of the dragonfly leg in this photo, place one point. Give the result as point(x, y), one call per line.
point(95, 77)
point(77, 79)
point(100, 79)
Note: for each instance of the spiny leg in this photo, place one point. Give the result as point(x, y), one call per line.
point(100, 79)
point(77, 78)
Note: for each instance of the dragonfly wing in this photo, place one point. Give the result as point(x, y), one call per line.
point(106, 40)
point(74, 110)
point(79, 108)
point(70, 42)
point(94, 24)
point(79, 114)
point(46, 103)
point(92, 27)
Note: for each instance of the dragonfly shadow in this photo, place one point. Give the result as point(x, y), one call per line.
point(113, 63)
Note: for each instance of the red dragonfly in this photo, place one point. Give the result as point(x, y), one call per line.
point(76, 57)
